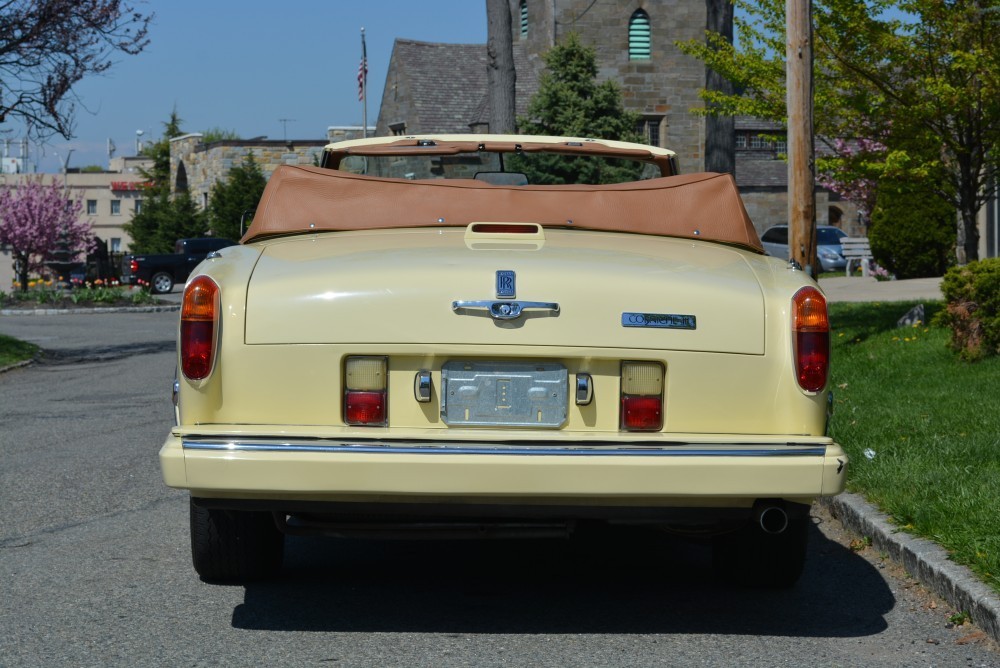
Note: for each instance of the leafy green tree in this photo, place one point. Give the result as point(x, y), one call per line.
point(165, 217)
point(922, 77)
point(229, 199)
point(912, 232)
point(571, 103)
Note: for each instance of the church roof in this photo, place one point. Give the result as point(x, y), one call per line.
point(447, 84)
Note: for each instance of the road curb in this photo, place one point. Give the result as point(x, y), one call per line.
point(927, 561)
point(16, 365)
point(87, 311)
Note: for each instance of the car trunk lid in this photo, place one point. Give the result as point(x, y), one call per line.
point(378, 288)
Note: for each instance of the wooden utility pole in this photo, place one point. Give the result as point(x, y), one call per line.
point(801, 158)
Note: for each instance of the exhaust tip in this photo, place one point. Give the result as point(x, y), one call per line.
point(772, 519)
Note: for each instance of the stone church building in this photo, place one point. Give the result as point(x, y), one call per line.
point(435, 88)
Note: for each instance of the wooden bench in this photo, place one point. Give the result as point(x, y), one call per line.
point(857, 249)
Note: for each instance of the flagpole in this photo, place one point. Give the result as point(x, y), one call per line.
point(364, 86)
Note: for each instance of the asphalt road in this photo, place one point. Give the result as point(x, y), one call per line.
point(95, 565)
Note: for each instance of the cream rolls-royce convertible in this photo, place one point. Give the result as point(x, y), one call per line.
point(501, 336)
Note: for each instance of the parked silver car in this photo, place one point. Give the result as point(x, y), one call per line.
point(828, 249)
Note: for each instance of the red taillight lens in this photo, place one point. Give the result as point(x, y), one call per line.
point(642, 413)
point(199, 324)
point(133, 266)
point(363, 408)
point(811, 341)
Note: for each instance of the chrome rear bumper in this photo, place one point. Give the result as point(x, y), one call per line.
point(573, 472)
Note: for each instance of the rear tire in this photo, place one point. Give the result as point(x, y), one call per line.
point(234, 545)
point(161, 282)
point(752, 558)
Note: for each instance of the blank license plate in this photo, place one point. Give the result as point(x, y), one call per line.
point(504, 394)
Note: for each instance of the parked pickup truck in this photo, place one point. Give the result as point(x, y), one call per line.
point(161, 272)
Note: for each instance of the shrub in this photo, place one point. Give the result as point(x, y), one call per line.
point(972, 293)
point(912, 234)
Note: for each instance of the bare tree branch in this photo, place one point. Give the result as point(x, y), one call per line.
point(48, 46)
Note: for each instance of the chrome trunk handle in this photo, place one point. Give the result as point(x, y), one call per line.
point(504, 310)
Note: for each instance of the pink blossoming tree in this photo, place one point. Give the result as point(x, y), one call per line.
point(35, 220)
point(854, 171)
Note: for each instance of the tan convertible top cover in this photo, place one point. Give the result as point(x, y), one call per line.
point(310, 199)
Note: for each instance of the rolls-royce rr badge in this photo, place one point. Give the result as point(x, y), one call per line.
point(506, 284)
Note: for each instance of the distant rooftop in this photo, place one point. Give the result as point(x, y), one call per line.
point(448, 84)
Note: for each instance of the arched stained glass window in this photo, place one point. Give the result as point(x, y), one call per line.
point(638, 36)
point(524, 18)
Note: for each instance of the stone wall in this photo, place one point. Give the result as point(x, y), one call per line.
point(198, 166)
point(769, 206)
point(202, 165)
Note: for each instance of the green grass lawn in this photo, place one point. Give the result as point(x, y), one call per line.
point(930, 425)
point(13, 351)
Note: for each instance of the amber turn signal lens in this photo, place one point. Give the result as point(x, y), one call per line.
point(199, 327)
point(811, 339)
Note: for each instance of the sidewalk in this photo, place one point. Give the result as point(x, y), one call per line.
point(867, 289)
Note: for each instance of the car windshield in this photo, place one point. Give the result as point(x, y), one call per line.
point(504, 168)
point(829, 236)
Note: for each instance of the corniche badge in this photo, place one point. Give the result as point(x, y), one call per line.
point(659, 320)
point(506, 284)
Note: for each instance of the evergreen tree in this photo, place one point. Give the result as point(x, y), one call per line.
point(239, 193)
point(571, 103)
point(164, 217)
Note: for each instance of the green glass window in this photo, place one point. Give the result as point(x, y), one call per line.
point(638, 36)
point(524, 18)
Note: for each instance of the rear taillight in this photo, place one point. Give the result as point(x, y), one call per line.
point(133, 266)
point(642, 396)
point(199, 327)
point(365, 395)
point(811, 341)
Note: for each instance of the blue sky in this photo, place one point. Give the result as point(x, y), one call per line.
point(242, 66)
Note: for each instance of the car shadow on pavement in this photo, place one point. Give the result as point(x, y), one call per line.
point(631, 584)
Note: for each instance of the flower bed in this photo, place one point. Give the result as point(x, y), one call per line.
point(48, 294)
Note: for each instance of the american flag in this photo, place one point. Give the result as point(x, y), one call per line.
point(362, 76)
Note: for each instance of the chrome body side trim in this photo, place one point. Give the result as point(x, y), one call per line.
point(547, 450)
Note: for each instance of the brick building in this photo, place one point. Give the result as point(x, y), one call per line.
point(109, 199)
